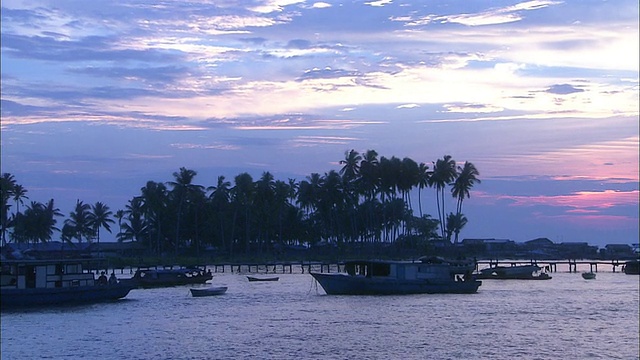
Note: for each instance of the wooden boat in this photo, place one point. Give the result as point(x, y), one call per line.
point(210, 291)
point(519, 272)
point(376, 277)
point(588, 275)
point(55, 282)
point(632, 267)
point(150, 278)
point(255, 278)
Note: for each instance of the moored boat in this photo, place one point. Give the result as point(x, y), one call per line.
point(55, 282)
point(517, 272)
point(378, 277)
point(257, 278)
point(632, 267)
point(588, 275)
point(210, 291)
point(150, 278)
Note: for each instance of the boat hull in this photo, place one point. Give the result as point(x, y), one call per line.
point(208, 291)
point(588, 276)
point(166, 279)
point(632, 267)
point(253, 278)
point(10, 297)
point(523, 272)
point(344, 284)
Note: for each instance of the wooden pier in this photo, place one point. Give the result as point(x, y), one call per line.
point(552, 265)
point(305, 267)
point(279, 267)
point(300, 267)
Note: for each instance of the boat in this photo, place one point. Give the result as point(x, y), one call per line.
point(55, 282)
point(588, 275)
point(150, 278)
point(381, 277)
point(516, 272)
point(255, 278)
point(632, 267)
point(210, 291)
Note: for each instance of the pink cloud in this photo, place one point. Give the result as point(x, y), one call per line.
point(578, 200)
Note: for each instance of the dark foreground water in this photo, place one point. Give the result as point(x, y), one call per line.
point(565, 317)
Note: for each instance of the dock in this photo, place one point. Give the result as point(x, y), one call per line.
point(552, 265)
point(305, 267)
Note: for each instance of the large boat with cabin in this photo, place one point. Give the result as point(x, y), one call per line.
point(55, 282)
point(382, 277)
point(516, 272)
point(151, 278)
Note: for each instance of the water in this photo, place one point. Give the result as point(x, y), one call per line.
point(566, 317)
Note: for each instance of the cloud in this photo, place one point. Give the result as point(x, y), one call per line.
point(219, 146)
point(313, 141)
point(563, 89)
point(379, 3)
point(321, 5)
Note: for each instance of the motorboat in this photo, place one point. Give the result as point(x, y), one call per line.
point(256, 278)
point(151, 278)
point(516, 272)
point(382, 277)
point(209, 291)
point(588, 275)
point(632, 267)
point(55, 282)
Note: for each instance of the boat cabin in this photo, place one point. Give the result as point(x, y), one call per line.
point(404, 270)
point(25, 274)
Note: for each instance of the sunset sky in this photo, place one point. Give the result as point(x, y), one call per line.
point(98, 97)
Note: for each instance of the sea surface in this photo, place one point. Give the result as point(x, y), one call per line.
point(566, 317)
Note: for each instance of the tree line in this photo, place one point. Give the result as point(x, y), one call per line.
point(367, 201)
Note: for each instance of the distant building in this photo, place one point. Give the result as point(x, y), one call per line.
point(577, 250)
point(539, 243)
point(492, 246)
point(619, 251)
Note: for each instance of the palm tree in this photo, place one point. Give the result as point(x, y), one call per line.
point(7, 185)
point(309, 193)
point(467, 177)
point(136, 229)
point(408, 178)
point(369, 174)
point(153, 204)
point(219, 198)
point(100, 218)
point(50, 212)
point(19, 193)
point(80, 221)
point(455, 223)
point(243, 197)
point(351, 163)
point(444, 173)
point(119, 215)
point(423, 181)
point(182, 189)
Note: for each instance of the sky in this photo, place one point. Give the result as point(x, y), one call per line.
point(99, 97)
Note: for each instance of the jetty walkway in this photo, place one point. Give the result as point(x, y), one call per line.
point(552, 265)
point(302, 267)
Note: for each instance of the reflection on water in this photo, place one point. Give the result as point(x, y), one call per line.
point(293, 319)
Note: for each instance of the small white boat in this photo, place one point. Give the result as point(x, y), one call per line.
point(210, 291)
point(588, 275)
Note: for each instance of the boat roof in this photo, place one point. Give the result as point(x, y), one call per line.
point(35, 262)
point(170, 271)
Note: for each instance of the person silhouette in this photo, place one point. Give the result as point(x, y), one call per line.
point(102, 280)
point(112, 279)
